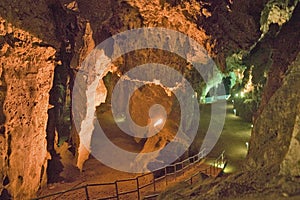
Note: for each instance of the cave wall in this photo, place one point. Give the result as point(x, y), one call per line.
point(290, 165)
point(27, 50)
point(26, 77)
point(274, 136)
point(272, 133)
point(32, 31)
point(271, 170)
point(221, 27)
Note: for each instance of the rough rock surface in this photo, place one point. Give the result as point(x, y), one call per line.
point(291, 163)
point(272, 167)
point(26, 77)
point(32, 31)
point(272, 134)
point(186, 17)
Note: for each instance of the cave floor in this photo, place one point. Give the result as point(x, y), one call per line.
point(233, 140)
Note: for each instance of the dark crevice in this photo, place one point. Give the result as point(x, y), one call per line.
point(8, 148)
point(41, 44)
point(3, 90)
point(59, 117)
point(5, 195)
point(6, 181)
point(20, 180)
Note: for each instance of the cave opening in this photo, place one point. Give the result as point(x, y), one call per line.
point(59, 123)
point(63, 144)
point(139, 105)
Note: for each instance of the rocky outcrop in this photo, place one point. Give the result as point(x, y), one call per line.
point(291, 163)
point(284, 50)
point(271, 136)
point(274, 136)
point(233, 25)
point(34, 17)
point(26, 76)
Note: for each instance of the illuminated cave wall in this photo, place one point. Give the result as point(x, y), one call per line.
point(263, 63)
point(26, 76)
point(67, 31)
point(276, 119)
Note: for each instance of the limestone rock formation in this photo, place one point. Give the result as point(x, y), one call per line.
point(26, 76)
point(290, 165)
point(272, 166)
point(35, 33)
point(275, 136)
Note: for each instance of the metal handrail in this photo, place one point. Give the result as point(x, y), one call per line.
point(195, 159)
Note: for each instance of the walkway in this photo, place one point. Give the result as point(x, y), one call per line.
point(189, 170)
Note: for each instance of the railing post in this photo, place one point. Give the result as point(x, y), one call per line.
point(117, 190)
point(138, 188)
point(222, 157)
point(166, 176)
point(211, 170)
point(86, 192)
point(214, 169)
point(175, 172)
point(154, 187)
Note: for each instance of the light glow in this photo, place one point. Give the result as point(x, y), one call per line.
point(221, 165)
point(158, 122)
point(242, 94)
